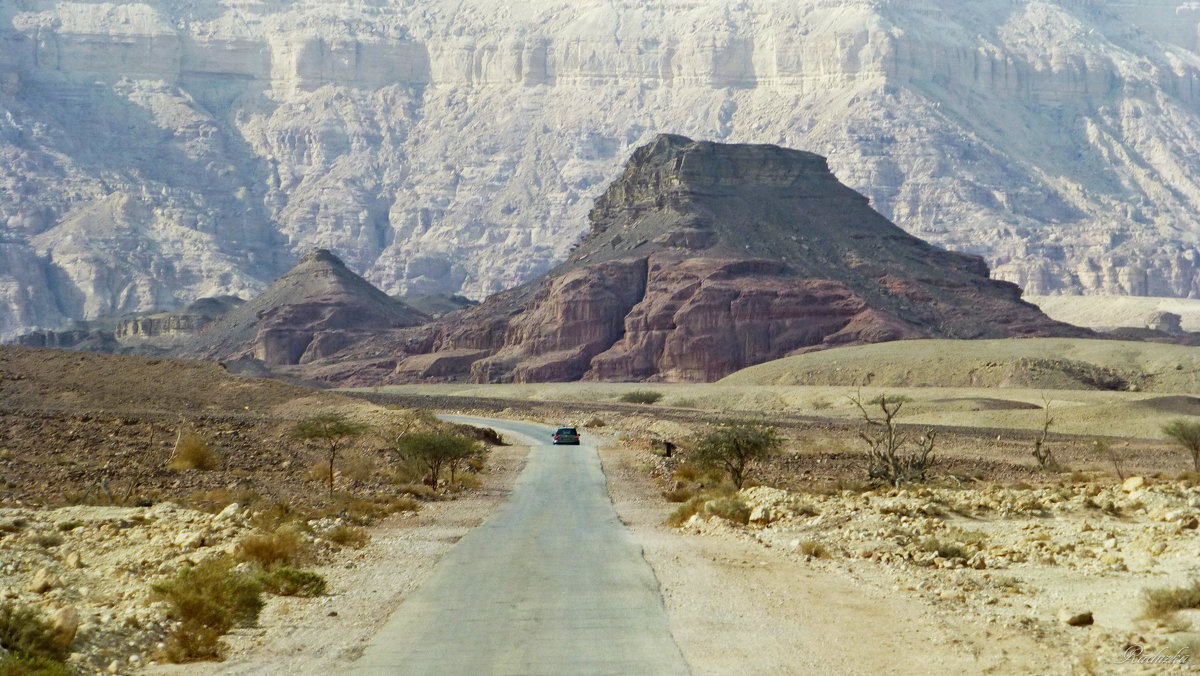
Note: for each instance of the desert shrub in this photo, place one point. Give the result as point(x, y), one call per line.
point(684, 403)
point(641, 397)
point(11, 665)
point(46, 540)
point(348, 536)
point(1186, 433)
point(359, 467)
point(729, 508)
point(814, 549)
point(192, 452)
point(67, 526)
point(29, 636)
point(1041, 452)
point(278, 515)
point(685, 511)
point(418, 490)
point(820, 404)
point(282, 546)
point(467, 481)
point(206, 601)
point(678, 494)
point(403, 474)
point(1190, 478)
point(1116, 457)
point(687, 472)
point(438, 451)
point(1161, 602)
point(288, 581)
point(13, 525)
point(944, 549)
point(319, 472)
point(363, 511)
point(595, 422)
point(732, 446)
point(887, 457)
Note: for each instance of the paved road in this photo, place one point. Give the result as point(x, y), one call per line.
point(551, 584)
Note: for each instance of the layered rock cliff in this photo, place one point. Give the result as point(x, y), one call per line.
point(153, 153)
point(705, 258)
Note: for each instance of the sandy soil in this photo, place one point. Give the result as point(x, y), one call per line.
point(737, 606)
point(323, 635)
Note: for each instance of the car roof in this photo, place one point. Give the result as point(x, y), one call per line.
point(566, 428)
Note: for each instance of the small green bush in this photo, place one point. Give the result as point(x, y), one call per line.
point(288, 581)
point(729, 508)
point(207, 600)
point(641, 397)
point(685, 511)
point(12, 665)
point(28, 635)
point(67, 526)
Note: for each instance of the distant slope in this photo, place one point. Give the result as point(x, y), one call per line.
point(1049, 363)
point(1109, 312)
point(317, 308)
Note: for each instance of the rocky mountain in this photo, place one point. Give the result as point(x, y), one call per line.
point(153, 153)
point(315, 310)
point(702, 259)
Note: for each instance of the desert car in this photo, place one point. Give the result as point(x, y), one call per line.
point(566, 435)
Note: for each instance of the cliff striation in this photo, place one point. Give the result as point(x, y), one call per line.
point(705, 258)
point(153, 153)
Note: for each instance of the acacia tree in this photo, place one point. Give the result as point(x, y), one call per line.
point(1187, 434)
point(330, 430)
point(435, 451)
point(731, 446)
point(886, 457)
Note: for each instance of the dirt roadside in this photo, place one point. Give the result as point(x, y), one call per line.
point(739, 607)
point(323, 635)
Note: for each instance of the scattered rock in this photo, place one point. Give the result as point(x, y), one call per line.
point(1133, 483)
point(73, 560)
point(189, 540)
point(66, 624)
point(1075, 619)
point(43, 581)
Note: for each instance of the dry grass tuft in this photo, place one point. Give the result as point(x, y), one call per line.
point(193, 452)
point(207, 600)
point(285, 545)
point(814, 549)
point(1161, 602)
point(28, 637)
point(348, 536)
point(288, 581)
point(359, 467)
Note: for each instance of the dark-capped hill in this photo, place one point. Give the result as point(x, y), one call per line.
point(315, 310)
point(704, 258)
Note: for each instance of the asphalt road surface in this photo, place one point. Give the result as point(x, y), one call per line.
point(551, 584)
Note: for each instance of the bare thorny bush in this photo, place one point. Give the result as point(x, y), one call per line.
point(888, 457)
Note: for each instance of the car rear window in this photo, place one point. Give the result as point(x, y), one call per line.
point(566, 430)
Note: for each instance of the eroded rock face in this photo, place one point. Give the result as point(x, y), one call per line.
point(705, 258)
point(153, 153)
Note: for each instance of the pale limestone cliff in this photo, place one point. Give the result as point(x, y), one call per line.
point(153, 153)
